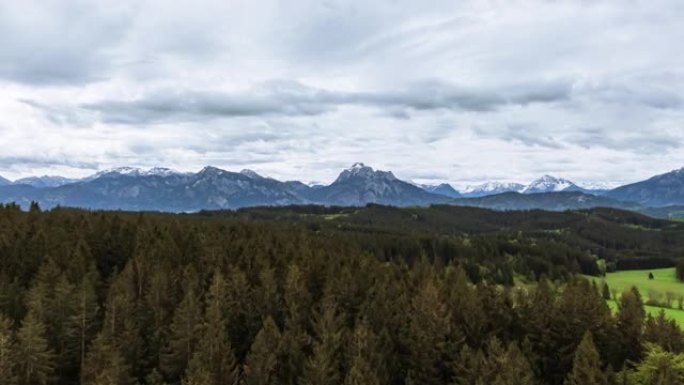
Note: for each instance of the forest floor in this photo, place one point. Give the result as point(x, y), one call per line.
point(663, 282)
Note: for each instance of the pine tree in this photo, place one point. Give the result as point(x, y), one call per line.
point(630, 321)
point(664, 332)
point(104, 364)
point(471, 367)
point(261, 363)
point(8, 353)
point(214, 356)
point(366, 366)
point(429, 328)
point(36, 360)
point(184, 332)
point(512, 367)
point(323, 367)
point(84, 321)
point(586, 369)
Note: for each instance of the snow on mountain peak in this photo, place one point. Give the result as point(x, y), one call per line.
point(548, 183)
point(135, 171)
point(360, 170)
point(494, 187)
point(251, 174)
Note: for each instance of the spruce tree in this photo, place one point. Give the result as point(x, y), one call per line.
point(512, 367)
point(214, 356)
point(365, 365)
point(8, 353)
point(261, 363)
point(630, 322)
point(84, 321)
point(184, 331)
point(36, 360)
point(586, 368)
point(323, 367)
point(429, 328)
point(104, 364)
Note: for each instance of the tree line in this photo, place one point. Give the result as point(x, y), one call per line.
point(133, 298)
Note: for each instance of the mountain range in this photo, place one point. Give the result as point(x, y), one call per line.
point(163, 189)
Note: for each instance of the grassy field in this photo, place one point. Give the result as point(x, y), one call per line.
point(663, 281)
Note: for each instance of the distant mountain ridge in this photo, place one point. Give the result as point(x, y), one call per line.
point(164, 189)
point(661, 190)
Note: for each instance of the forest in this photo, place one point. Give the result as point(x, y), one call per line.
point(315, 295)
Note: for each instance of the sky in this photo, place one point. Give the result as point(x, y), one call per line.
point(435, 91)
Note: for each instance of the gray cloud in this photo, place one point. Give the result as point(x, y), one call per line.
point(294, 99)
point(59, 42)
point(460, 91)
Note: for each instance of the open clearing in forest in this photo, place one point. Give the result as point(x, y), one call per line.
point(664, 281)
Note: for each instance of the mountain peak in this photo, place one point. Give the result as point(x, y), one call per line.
point(211, 170)
point(361, 171)
point(492, 188)
point(251, 174)
point(134, 171)
point(549, 183)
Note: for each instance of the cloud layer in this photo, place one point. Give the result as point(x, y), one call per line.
point(451, 91)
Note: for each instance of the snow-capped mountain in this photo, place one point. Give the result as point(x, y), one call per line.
point(212, 188)
point(441, 189)
point(548, 183)
point(360, 184)
point(134, 171)
point(492, 188)
point(45, 181)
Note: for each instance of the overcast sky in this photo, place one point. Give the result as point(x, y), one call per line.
point(435, 91)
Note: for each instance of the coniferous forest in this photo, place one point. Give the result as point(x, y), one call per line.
point(313, 295)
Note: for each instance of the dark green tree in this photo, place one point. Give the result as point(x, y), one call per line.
point(8, 353)
point(261, 364)
point(428, 331)
point(214, 356)
point(365, 361)
point(184, 331)
point(630, 323)
point(104, 364)
point(323, 366)
point(586, 366)
point(36, 360)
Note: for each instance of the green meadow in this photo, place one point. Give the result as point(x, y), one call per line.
point(663, 282)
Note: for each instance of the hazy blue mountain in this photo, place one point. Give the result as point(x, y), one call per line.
point(163, 189)
point(360, 184)
point(661, 190)
point(441, 189)
point(4, 182)
point(554, 201)
point(45, 181)
point(21, 194)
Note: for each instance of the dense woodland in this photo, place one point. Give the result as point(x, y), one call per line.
point(310, 295)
